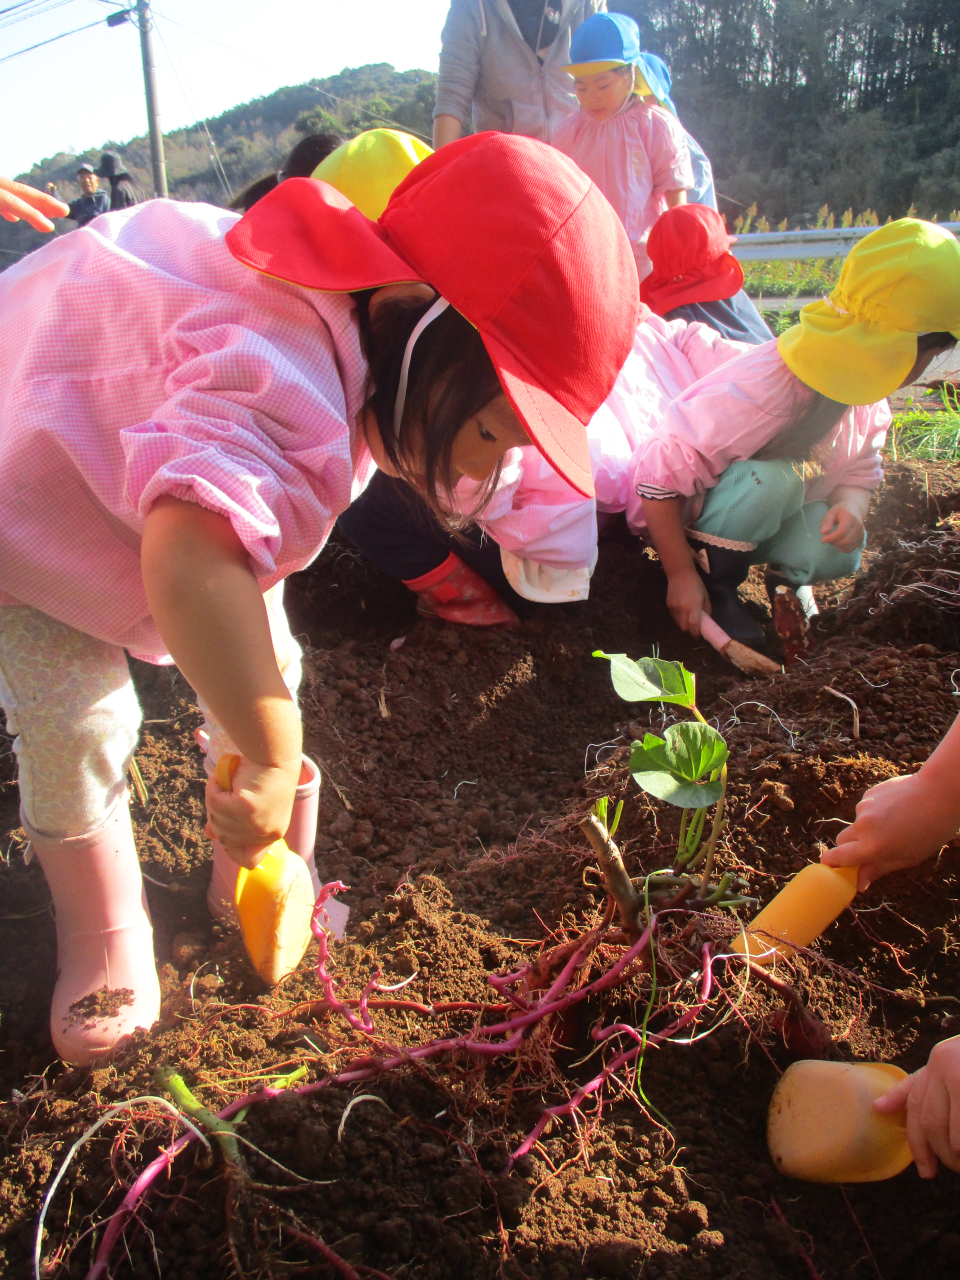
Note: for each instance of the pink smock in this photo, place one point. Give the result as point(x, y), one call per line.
point(729, 414)
point(535, 516)
point(137, 359)
point(634, 157)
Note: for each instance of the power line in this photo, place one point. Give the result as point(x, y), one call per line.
point(218, 43)
point(215, 155)
point(53, 39)
point(35, 9)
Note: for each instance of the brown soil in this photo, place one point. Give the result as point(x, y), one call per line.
point(449, 765)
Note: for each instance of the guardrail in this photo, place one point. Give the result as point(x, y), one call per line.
point(775, 246)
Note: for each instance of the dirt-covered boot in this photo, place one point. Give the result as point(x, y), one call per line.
point(453, 592)
point(723, 571)
point(107, 982)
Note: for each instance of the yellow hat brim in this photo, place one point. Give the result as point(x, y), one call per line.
point(899, 281)
point(593, 68)
point(851, 361)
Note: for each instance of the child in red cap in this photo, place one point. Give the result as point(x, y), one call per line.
point(243, 380)
point(696, 277)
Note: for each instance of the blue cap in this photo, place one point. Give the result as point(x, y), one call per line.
point(657, 75)
point(606, 37)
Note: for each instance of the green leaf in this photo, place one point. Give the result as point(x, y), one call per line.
point(671, 767)
point(651, 680)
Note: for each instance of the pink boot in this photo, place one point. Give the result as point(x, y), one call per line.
point(301, 836)
point(107, 982)
point(455, 593)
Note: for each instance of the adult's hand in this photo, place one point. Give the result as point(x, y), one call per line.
point(20, 201)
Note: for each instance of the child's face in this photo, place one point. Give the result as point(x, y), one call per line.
point(602, 95)
point(479, 445)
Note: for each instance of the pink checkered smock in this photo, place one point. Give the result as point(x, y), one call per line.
point(138, 358)
point(634, 157)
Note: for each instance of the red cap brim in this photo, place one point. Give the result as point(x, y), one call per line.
point(556, 433)
point(716, 280)
point(307, 233)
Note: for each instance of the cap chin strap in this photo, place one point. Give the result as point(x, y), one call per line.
point(436, 309)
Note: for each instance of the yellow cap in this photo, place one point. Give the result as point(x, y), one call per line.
point(592, 68)
point(369, 168)
point(899, 281)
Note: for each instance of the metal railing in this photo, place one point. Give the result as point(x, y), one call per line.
point(775, 246)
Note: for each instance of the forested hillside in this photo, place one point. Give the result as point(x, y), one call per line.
point(800, 103)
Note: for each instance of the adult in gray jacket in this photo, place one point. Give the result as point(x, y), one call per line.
point(502, 60)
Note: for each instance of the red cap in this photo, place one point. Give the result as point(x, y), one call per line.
point(690, 251)
point(516, 237)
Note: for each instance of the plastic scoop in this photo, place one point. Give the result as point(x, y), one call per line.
point(274, 901)
point(741, 655)
point(822, 1127)
point(800, 912)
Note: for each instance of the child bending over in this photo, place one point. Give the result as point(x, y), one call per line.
point(725, 481)
point(244, 379)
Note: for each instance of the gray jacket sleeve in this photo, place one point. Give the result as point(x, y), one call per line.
point(461, 50)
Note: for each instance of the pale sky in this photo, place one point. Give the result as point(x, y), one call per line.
point(88, 88)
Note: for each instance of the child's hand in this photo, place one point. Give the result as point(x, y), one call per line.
point(686, 599)
point(20, 201)
point(256, 812)
point(842, 528)
point(899, 823)
point(932, 1097)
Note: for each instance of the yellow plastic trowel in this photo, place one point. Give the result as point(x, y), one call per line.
point(822, 1127)
point(274, 901)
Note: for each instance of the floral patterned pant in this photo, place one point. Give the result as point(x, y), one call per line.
point(70, 702)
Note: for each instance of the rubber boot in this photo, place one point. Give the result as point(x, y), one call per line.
point(723, 571)
point(301, 837)
point(453, 592)
point(104, 938)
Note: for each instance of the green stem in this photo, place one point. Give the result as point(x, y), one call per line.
point(720, 890)
point(222, 1130)
point(681, 843)
point(717, 818)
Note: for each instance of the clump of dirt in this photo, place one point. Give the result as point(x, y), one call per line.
point(104, 1003)
point(455, 769)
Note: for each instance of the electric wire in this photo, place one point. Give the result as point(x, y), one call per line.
point(214, 153)
point(35, 9)
point(53, 39)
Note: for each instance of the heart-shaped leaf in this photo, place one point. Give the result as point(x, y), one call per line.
point(671, 767)
point(651, 680)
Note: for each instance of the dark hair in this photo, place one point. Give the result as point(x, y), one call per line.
point(451, 378)
point(797, 439)
point(249, 196)
point(300, 163)
point(940, 341)
point(308, 153)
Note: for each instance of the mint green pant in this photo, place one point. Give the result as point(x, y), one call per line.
point(760, 506)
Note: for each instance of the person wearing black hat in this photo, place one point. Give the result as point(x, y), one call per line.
point(91, 203)
point(124, 193)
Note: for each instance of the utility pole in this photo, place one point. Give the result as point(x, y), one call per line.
point(145, 23)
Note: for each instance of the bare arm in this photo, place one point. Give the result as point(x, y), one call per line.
point(445, 129)
point(673, 198)
point(686, 594)
point(209, 609)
